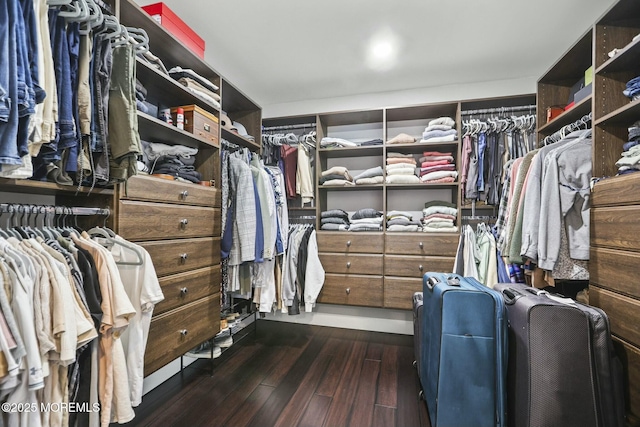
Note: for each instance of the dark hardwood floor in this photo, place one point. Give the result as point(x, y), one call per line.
point(287, 374)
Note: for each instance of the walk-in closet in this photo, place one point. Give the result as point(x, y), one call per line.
point(322, 214)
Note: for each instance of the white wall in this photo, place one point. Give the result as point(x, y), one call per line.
point(416, 96)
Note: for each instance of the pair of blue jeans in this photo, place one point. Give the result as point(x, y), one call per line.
point(17, 95)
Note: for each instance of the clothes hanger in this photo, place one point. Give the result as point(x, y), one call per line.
point(139, 39)
point(75, 11)
point(59, 2)
point(102, 232)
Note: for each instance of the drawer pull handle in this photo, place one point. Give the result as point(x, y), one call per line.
point(420, 267)
point(348, 290)
point(183, 332)
point(348, 264)
point(184, 222)
point(421, 245)
point(184, 290)
point(348, 243)
point(184, 194)
point(183, 257)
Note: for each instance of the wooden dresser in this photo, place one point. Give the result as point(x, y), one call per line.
point(179, 225)
point(353, 264)
point(613, 266)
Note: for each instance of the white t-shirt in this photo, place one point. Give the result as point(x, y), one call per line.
point(142, 287)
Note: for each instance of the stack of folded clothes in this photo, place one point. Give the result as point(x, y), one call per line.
point(141, 96)
point(632, 90)
point(401, 169)
point(366, 219)
point(174, 160)
point(630, 159)
point(402, 221)
point(402, 138)
point(439, 216)
point(336, 176)
point(440, 130)
point(370, 176)
point(196, 84)
point(330, 142)
point(334, 220)
point(437, 167)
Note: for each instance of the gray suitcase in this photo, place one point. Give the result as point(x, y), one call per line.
point(563, 370)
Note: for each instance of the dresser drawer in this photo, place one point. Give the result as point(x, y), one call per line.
point(616, 228)
point(176, 256)
point(175, 332)
point(416, 266)
point(153, 221)
point(398, 292)
point(185, 288)
point(609, 268)
point(623, 313)
point(148, 188)
point(351, 264)
point(351, 289)
point(368, 243)
point(425, 244)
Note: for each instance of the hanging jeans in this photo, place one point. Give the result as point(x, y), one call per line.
point(9, 153)
point(65, 127)
point(100, 79)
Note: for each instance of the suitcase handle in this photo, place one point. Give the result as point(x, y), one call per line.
point(432, 282)
point(510, 295)
point(453, 281)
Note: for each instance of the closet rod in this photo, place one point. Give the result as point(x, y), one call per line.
point(82, 211)
point(287, 127)
point(531, 108)
point(559, 134)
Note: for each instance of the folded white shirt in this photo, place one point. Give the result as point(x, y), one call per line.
point(327, 140)
point(402, 179)
point(437, 175)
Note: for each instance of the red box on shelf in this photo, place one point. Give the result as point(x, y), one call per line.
point(176, 26)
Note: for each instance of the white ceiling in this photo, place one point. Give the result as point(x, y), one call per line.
point(283, 51)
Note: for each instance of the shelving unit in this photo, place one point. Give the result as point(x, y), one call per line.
point(179, 222)
point(554, 87)
point(614, 252)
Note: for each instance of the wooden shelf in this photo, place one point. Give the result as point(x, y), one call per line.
point(240, 140)
point(352, 118)
point(580, 109)
point(624, 116)
point(570, 67)
point(423, 112)
point(163, 44)
point(374, 150)
point(155, 130)
point(625, 59)
point(421, 185)
point(158, 83)
point(351, 187)
point(47, 188)
point(419, 147)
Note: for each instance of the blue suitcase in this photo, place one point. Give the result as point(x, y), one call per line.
point(464, 352)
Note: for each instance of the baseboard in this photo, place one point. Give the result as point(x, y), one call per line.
point(352, 317)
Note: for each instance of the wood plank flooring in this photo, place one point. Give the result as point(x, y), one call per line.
point(289, 375)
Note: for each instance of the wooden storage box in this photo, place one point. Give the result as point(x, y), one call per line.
point(199, 122)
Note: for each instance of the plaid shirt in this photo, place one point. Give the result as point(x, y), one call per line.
point(503, 214)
